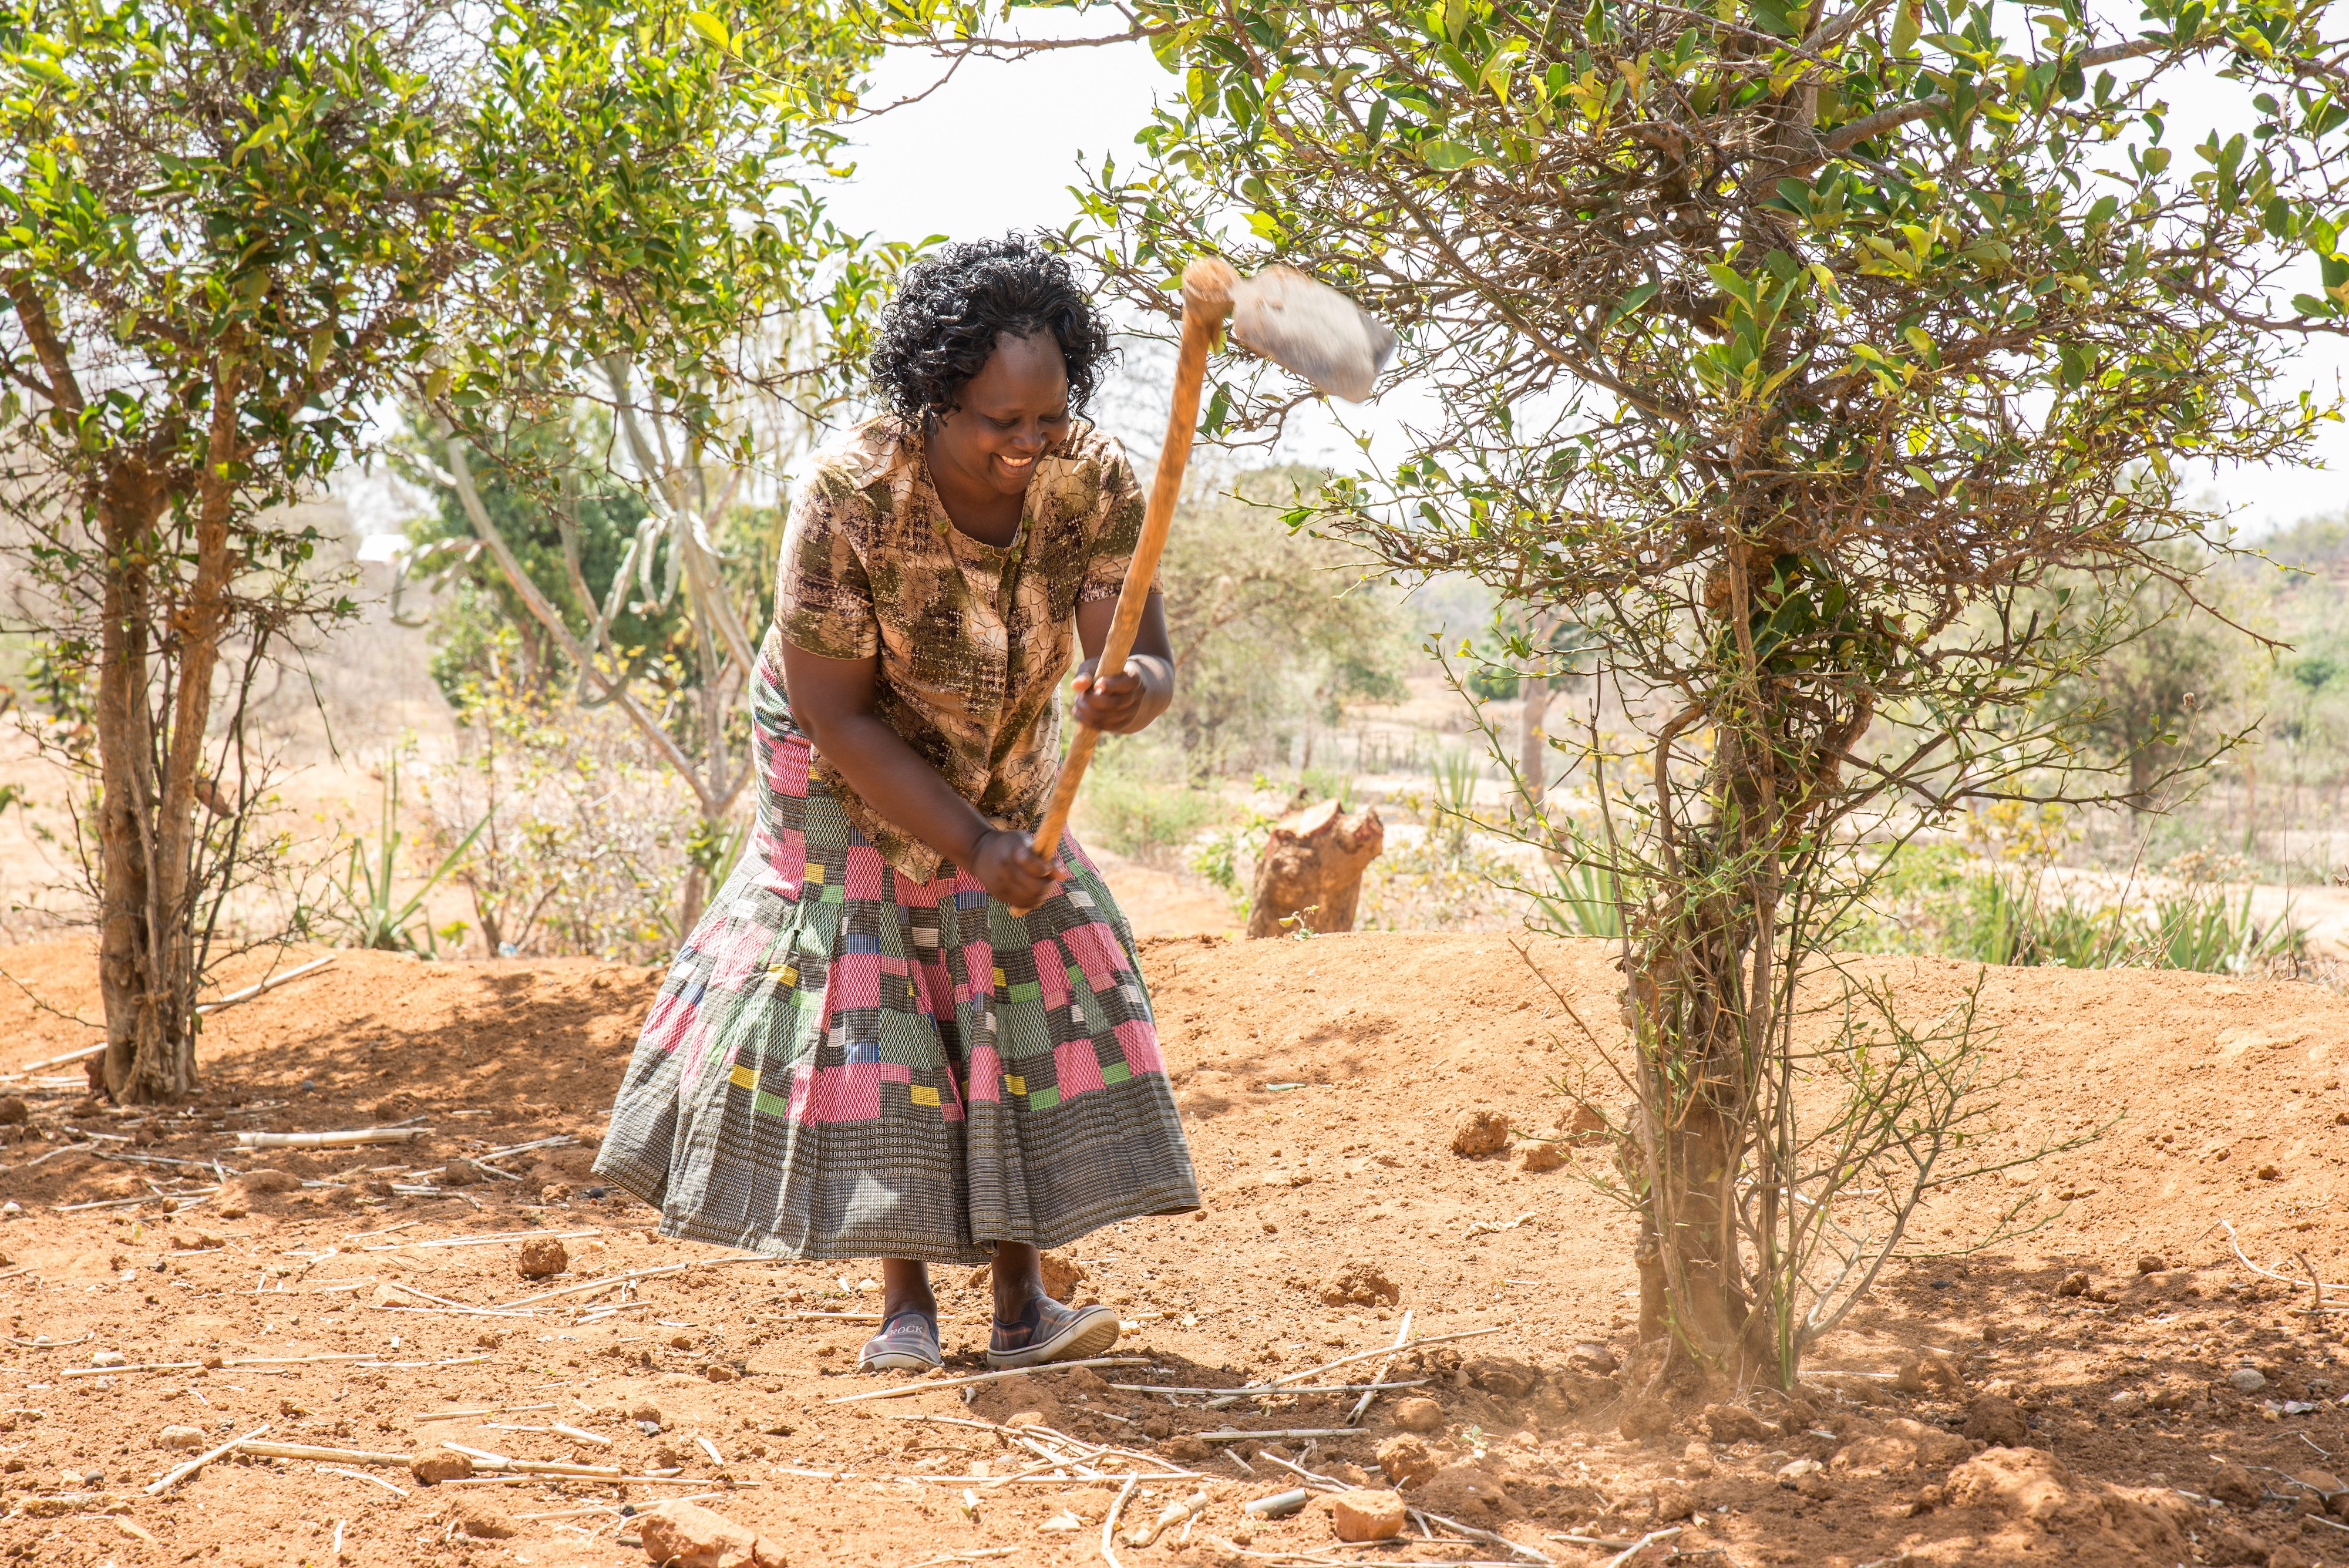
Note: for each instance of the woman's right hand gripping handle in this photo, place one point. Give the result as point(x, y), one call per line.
point(1011, 871)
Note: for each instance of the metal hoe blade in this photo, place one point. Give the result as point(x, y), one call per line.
point(1312, 328)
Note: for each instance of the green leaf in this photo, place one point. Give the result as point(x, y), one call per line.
point(1446, 155)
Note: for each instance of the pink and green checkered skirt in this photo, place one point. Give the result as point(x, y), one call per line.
point(846, 1064)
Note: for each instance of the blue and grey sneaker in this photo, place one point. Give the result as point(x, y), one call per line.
point(908, 1342)
point(1048, 1331)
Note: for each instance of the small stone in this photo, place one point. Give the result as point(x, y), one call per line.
point(457, 1173)
point(181, 1437)
point(108, 1358)
point(543, 1256)
point(14, 1112)
point(1479, 1133)
point(719, 1372)
point(645, 1412)
point(688, 1535)
point(1504, 1376)
point(2269, 1172)
point(1407, 1460)
point(1367, 1515)
point(2246, 1380)
point(2075, 1283)
point(437, 1464)
point(2152, 1263)
point(2230, 1482)
point(596, 1194)
point(1995, 1419)
point(1419, 1415)
point(1157, 1429)
point(1536, 1158)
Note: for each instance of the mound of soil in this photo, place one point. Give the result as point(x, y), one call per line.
point(2173, 1407)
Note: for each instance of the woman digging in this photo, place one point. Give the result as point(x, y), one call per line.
point(861, 1051)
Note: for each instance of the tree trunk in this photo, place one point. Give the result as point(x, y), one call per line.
point(1533, 742)
point(1313, 865)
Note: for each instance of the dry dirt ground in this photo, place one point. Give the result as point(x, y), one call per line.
point(1971, 1413)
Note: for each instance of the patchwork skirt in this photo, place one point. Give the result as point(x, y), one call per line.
point(846, 1064)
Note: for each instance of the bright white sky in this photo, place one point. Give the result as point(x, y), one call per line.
point(996, 147)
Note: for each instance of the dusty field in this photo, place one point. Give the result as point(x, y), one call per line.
point(2121, 1399)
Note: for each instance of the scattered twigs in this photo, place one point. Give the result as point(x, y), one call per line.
point(352, 1138)
point(924, 1385)
point(272, 983)
point(2312, 1280)
point(1402, 1337)
point(1262, 1393)
point(1281, 1385)
point(1641, 1544)
point(1108, 1524)
point(533, 1467)
point(541, 1234)
point(170, 1478)
point(1173, 1514)
point(1285, 1435)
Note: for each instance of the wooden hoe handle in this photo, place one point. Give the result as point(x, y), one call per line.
point(1207, 288)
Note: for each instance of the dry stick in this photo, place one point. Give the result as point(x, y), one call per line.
point(1109, 1526)
point(607, 1281)
point(350, 1139)
point(165, 1482)
point(2227, 1226)
point(307, 1451)
point(1402, 1337)
point(1267, 1393)
point(905, 1389)
point(362, 1474)
point(55, 1060)
point(272, 983)
point(1641, 1546)
point(1284, 1434)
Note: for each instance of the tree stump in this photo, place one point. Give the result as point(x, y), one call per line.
point(1313, 865)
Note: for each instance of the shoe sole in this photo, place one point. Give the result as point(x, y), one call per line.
point(897, 1361)
point(1094, 1330)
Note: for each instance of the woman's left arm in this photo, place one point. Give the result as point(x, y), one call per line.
point(1126, 701)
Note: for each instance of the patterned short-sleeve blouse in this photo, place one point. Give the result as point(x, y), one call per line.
point(973, 639)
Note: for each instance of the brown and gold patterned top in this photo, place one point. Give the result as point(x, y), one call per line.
point(973, 639)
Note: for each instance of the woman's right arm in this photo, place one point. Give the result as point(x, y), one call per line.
point(831, 700)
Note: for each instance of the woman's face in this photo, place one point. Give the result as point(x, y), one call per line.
point(1012, 410)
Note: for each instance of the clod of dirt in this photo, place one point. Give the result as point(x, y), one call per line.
point(1504, 1376)
point(1460, 1492)
point(1930, 1372)
point(1062, 1276)
point(2246, 1380)
point(2287, 1556)
point(688, 1535)
point(181, 1437)
point(542, 1257)
point(1590, 1355)
point(1587, 1121)
point(481, 1519)
point(2224, 1546)
point(1479, 1133)
point(198, 1242)
point(2152, 1263)
point(2075, 1283)
point(1674, 1501)
point(1994, 1419)
point(2269, 1172)
point(1899, 1446)
point(436, 1464)
point(644, 1411)
point(1806, 1478)
point(1536, 1158)
point(1406, 1460)
point(108, 1358)
point(1418, 1415)
point(1735, 1424)
point(1367, 1515)
point(1358, 1284)
point(1187, 1449)
point(2230, 1482)
point(260, 1183)
point(1644, 1420)
point(14, 1112)
point(1157, 1429)
point(457, 1173)
point(719, 1372)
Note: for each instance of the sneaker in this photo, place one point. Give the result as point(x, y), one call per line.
point(1048, 1331)
point(908, 1342)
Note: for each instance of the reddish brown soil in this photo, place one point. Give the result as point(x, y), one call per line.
point(1392, 1037)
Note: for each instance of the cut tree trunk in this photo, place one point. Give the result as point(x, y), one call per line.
point(1312, 867)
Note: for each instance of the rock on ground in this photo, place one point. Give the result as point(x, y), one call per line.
point(1479, 1133)
point(543, 1256)
point(1407, 1460)
point(1995, 1419)
point(1367, 1515)
point(1418, 1415)
point(688, 1535)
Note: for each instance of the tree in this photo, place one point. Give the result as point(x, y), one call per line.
point(230, 231)
point(1787, 350)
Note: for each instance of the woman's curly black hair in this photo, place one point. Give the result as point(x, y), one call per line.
point(951, 308)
